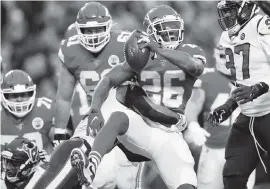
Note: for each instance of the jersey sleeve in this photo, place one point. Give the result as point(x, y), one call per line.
point(71, 31)
point(46, 108)
point(194, 51)
point(264, 35)
point(67, 53)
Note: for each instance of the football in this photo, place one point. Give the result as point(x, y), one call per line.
point(137, 58)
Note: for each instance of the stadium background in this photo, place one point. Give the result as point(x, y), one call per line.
point(31, 33)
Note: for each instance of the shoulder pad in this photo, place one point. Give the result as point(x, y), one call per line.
point(71, 31)
point(264, 26)
point(121, 36)
point(194, 51)
point(67, 48)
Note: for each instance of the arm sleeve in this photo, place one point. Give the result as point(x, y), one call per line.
point(195, 52)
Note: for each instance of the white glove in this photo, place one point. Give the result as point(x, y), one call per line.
point(196, 134)
point(180, 125)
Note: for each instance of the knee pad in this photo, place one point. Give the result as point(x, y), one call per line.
point(235, 181)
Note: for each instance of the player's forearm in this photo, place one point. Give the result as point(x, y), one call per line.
point(101, 93)
point(154, 112)
point(182, 60)
point(62, 113)
point(195, 105)
point(232, 105)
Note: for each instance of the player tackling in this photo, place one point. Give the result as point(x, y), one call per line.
point(167, 78)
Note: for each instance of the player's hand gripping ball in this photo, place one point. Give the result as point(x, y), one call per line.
point(137, 58)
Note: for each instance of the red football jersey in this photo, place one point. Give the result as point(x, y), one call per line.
point(88, 68)
point(36, 125)
point(167, 84)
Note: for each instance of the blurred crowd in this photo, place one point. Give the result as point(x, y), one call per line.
point(32, 30)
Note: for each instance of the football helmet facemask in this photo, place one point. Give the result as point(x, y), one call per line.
point(19, 159)
point(235, 14)
point(93, 26)
point(165, 25)
point(18, 92)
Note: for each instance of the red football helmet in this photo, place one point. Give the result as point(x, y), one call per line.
point(19, 159)
point(93, 25)
point(18, 92)
point(165, 25)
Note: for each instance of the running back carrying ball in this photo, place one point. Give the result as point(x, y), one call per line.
point(135, 56)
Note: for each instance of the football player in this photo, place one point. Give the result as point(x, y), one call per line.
point(29, 116)
point(89, 52)
point(168, 79)
point(216, 90)
point(19, 164)
point(245, 39)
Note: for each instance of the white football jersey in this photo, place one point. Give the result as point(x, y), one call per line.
point(248, 59)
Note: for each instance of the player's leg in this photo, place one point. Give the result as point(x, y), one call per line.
point(129, 174)
point(241, 155)
point(109, 165)
point(117, 170)
point(106, 173)
point(210, 168)
point(117, 124)
point(175, 163)
point(104, 143)
point(59, 173)
point(264, 129)
point(169, 150)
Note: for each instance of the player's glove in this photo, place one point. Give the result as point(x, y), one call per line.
point(244, 94)
point(146, 41)
point(59, 136)
point(44, 156)
point(222, 112)
point(195, 134)
point(95, 122)
point(181, 125)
